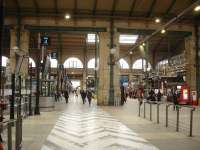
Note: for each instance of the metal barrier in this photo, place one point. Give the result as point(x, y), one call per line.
point(150, 114)
point(11, 130)
point(9, 125)
point(176, 107)
point(24, 107)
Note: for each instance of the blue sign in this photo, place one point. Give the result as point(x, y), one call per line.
point(61, 66)
point(124, 79)
point(45, 40)
point(53, 55)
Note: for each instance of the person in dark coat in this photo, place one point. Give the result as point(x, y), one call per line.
point(159, 95)
point(89, 96)
point(66, 95)
point(123, 97)
point(83, 95)
point(151, 96)
point(175, 100)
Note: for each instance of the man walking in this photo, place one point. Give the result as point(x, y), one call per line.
point(83, 95)
point(89, 96)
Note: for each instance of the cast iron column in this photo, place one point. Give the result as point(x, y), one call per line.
point(37, 107)
point(38, 70)
point(20, 97)
point(12, 98)
point(96, 48)
point(197, 46)
point(146, 49)
point(1, 37)
point(111, 90)
point(30, 95)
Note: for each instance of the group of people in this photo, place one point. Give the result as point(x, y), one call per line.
point(58, 95)
point(154, 97)
point(86, 94)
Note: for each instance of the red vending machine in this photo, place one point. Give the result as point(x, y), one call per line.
point(184, 98)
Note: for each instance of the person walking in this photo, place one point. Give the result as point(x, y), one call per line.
point(140, 96)
point(159, 96)
point(66, 95)
point(175, 100)
point(123, 97)
point(89, 96)
point(83, 95)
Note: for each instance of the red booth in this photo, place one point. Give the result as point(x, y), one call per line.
point(184, 98)
point(194, 98)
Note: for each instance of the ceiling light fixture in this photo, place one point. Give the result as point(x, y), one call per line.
point(67, 16)
point(157, 20)
point(197, 8)
point(163, 31)
point(131, 52)
point(141, 47)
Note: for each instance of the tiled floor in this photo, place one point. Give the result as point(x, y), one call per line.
point(77, 126)
point(81, 127)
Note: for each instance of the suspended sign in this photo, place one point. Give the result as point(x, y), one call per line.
point(45, 40)
point(53, 55)
point(61, 66)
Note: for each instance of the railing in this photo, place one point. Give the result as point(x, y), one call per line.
point(24, 108)
point(12, 140)
point(166, 115)
point(11, 130)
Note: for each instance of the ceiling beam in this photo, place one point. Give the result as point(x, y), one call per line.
point(147, 32)
point(94, 7)
point(56, 6)
point(132, 7)
point(99, 15)
point(151, 8)
point(37, 8)
point(75, 6)
point(114, 4)
point(64, 29)
point(173, 2)
point(17, 6)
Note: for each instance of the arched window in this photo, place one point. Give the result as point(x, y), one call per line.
point(162, 64)
point(31, 61)
point(140, 63)
point(54, 63)
point(91, 63)
point(4, 61)
point(123, 64)
point(73, 62)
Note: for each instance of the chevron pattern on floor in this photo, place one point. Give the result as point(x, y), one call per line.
point(93, 130)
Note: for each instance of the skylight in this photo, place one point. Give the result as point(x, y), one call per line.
point(91, 38)
point(128, 39)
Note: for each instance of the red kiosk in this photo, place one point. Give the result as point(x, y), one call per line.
point(184, 98)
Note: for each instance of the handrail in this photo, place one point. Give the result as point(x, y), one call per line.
point(17, 123)
point(192, 109)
